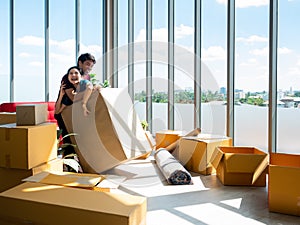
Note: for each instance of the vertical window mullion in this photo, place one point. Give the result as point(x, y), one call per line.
point(131, 48)
point(149, 62)
point(171, 64)
point(197, 65)
point(115, 44)
point(46, 31)
point(77, 29)
point(12, 51)
point(230, 67)
point(272, 117)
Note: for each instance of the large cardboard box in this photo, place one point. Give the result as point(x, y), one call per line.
point(284, 183)
point(6, 117)
point(166, 137)
point(24, 147)
point(31, 114)
point(36, 203)
point(241, 165)
point(12, 177)
point(112, 133)
point(196, 153)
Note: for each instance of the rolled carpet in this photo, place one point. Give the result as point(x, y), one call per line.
point(172, 170)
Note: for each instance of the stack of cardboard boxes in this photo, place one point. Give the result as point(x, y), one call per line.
point(27, 146)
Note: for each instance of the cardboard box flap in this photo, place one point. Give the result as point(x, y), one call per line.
point(216, 157)
point(260, 169)
point(66, 179)
point(287, 160)
point(243, 163)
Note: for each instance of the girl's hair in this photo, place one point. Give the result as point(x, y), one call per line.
point(65, 79)
point(75, 67)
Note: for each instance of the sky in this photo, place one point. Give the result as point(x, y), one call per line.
point(252, 35)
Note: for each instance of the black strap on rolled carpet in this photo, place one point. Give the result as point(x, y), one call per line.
point(172, 170)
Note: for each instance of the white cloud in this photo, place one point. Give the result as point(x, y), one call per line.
point(183, 31)
point(265, 51)
point(67, 46)
point(161, 34)
point(252, 39)
point(214, 53)
point(260, 52)
point(246, 3)
point(24, 55)
point(36, 64)
point(250, 62)
point(31, 40)
point(284, 50)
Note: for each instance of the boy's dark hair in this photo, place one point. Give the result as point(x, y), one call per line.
point(84, 57)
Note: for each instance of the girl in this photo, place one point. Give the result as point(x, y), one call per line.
point(73, 85)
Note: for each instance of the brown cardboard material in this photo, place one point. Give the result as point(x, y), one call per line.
point(36, 203)
point(284, 183)
point(6, 118)
point(25, 147)
point(112, 133)
point(31, 114)
point(12, 177)
point(240, 165)
point(196, 153)
point(166, 137)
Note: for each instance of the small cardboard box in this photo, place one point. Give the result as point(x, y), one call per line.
point(31, 114)
point(6, 118)
point(241, 165)
point(25, 147)
point(12, 177)
point(195, 153)
point(284, 183)
point(166, 137)
point(36, 203)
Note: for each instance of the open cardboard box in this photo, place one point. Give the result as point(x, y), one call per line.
point(241, 165)
point(284, 183)
point(36, 203)
point(166, 137)
point(196, 152)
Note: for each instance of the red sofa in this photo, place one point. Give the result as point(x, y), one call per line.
point(11, 107)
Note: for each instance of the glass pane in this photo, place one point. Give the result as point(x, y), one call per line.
point(122, 43)
point(29, 51)
point(4, 53)
point(251, 75)
point(184, 65)
point(160, 65)
point(91, 32)
point(140, 57)
point(213, 67)
point(62, 42)
point(288, 78)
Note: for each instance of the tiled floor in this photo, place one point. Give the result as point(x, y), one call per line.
point(207, 201)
